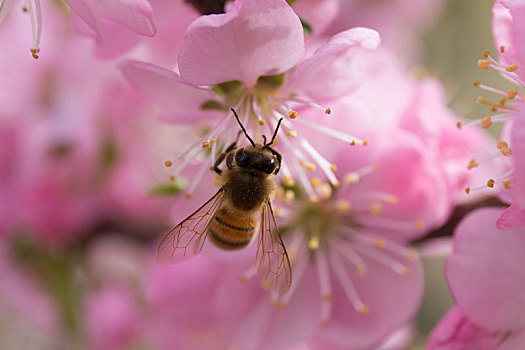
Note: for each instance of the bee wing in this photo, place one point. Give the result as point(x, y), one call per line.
point(186, 239)
point(271, 261)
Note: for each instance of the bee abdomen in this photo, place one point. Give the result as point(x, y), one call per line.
point(228, 232)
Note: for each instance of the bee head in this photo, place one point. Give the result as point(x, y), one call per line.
point(257, 158)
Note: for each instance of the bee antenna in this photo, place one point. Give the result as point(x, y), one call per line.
point(274, 134)
point(242, 127)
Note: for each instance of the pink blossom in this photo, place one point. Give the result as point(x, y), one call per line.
point(261, 72)
point(354, 280)
point(487, 285)
point(102, 17)
point(508, 30)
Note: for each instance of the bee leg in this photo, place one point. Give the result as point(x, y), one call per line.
point(223, 155)
point(278, 157)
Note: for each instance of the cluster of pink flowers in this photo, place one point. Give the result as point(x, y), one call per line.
point(108, 138)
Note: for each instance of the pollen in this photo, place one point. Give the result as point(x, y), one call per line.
point(502, 48)
point(490, 183)
point(486, 122)
point(168, 163)
point(477, 83)
point(315, 181)
point(467, 190)
point(343, 206)
point(292, 114)
point(262, 122)
point(327, 297)
point(313, 243)
point(288, 181)
point(484, 64)
point(507, 184)
point(458, 124)
point(188, 195)
point(486, 53)
point(327, 111)
point(410, 255)
point(351, 178)
point(291, 133)
point(333, 167)
point(419, 225)
point(512, 68)
point(472, 164)
point(34, 53)
point(379, 243)
point(353, 143)
point(376, 209)
point(309, 166)
point(392, 200)
point(206, 144)
point(511, 94)
point(504, 148)
point(363, 309)
point(365, 142)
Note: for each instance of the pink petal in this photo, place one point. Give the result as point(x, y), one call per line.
point(254, 38)
point(244, 311)
point(318, 13)
point(485, 272)
point(136, 15)
point(518, 156)
point(511, 218)
point(336, 68)
point(517, 11)
point(393, 301)
point(456, 332)
point(165, 86)
point(513, 341)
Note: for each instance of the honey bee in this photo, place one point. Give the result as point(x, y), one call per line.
point(231, 217)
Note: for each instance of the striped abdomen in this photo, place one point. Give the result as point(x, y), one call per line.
point(230, 230)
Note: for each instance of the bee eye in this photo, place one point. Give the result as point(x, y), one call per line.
point(241, 159)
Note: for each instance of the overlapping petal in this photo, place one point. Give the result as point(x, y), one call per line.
point(485, 272)
point(254, 38)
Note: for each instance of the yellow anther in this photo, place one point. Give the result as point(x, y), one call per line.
point(309, 166)
point(511, 94)
point(188, 195)
point(362, 270)
point(486, 122)
point(392, 200)
point(315, 181)
point(325, 190)
point(336, 184)
point(288, 181)
point(467, 190)
point(333, 167)
point(365, 142)
point(490, 183)
point(313, 243)
point(351, 178)
point(376, 209)
point(291, 133)
point(410, 255)
point(486, 53)
point(458, 124)
point(327, 297)
point(405, 271)
point(262, 122)
point(292, 114)
point(484, 64)
point(34, 53)
point(472, 164)
point(363, 309)
point(512, 68)
point(353, 143)
point(507, 184)
point(206, 144)
point(328, 111)
point(379, 243)
point(343, 205)
point(168, 163)
point(477, 83)
point(502, 144)
point(502, 48)
point(289, 196)
point(419, 225)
